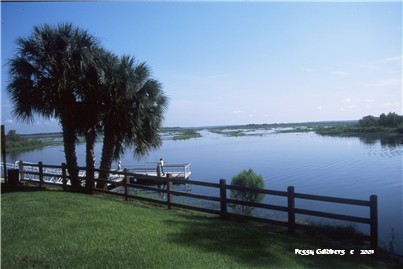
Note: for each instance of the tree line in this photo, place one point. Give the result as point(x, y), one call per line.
point(16, 142)
point(12, 136)
point(63, 72)
point(391, 120)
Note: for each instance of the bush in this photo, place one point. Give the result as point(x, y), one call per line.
point(247, 178)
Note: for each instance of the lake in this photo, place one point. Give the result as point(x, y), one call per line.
point(346, 167)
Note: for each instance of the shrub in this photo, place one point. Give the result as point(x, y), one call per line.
point(247, 178)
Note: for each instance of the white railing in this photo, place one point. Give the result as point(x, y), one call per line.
point(54, 174)
point(30, 172)
point(182, 170)
point(8, 166)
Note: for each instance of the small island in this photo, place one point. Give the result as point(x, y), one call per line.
point(385, 126)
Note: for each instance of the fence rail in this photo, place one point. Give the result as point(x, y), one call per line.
point(42, 174)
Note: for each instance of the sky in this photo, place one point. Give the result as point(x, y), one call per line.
point(226, 63)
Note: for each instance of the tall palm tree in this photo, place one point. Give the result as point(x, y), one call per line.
point(107, 82)
point(46, 78)
point(134, 111)
point(90, 106)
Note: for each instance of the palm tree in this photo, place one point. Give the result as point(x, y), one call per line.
point(107, 76)
point(91, 105)
point(95, 101)
point(134, 111)
point(46, 78)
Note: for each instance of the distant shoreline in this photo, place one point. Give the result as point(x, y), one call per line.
point(326, 128)
point(249, 125)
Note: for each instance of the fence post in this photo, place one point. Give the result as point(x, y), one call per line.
point(291, 206)
point(64, 176)
point(40, 170)
point(169, 188)
point(223, 198)
point(373, 201)
point(125, 179)
point(21, 168)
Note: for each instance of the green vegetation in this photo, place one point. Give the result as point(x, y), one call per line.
point(26, 145)
point(63, 72)
point(265, 129)
point(240, 130)
point(301, 129)
point(384, 125)
point(235, 133)
point(18, 143)
point(247, 178)
point(355, 131)
point(228, 132)
point(392, 120)
point(69, 230)
point(186, 134)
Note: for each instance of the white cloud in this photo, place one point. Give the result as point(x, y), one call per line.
point(306, 69)
point(340, 73)
point(393, 58)
point(382, 63)
point(369, 66)
point(319, 107)
point(390, 104)
point(369, 100)
point(237, 112)
point(346, 100)
point(9, 121)
point(383, 83)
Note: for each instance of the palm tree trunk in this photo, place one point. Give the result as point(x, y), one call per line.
point(107, 155)
point(69, 141)
point(90, 159)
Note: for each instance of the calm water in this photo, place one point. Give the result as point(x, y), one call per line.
point(313, 164)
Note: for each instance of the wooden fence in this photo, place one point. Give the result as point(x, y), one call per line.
point(37, 173)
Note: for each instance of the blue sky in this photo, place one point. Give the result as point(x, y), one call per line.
point(240, 62)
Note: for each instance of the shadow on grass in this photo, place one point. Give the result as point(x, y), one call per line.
point(259, 245)
point(19, 188)
point(237, 240)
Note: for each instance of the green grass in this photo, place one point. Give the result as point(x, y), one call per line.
point(294, 130)
point(53, 229)
point(234, 133)
point(28, 145)
point(187, 134)
point(355, 130)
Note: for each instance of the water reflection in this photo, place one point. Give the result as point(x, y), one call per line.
point(385, 140)
point(392, 142)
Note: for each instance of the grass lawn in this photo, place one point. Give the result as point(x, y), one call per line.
point(53, 229)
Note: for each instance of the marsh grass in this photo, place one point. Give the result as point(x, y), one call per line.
point(54, 229)
point(187, 134)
